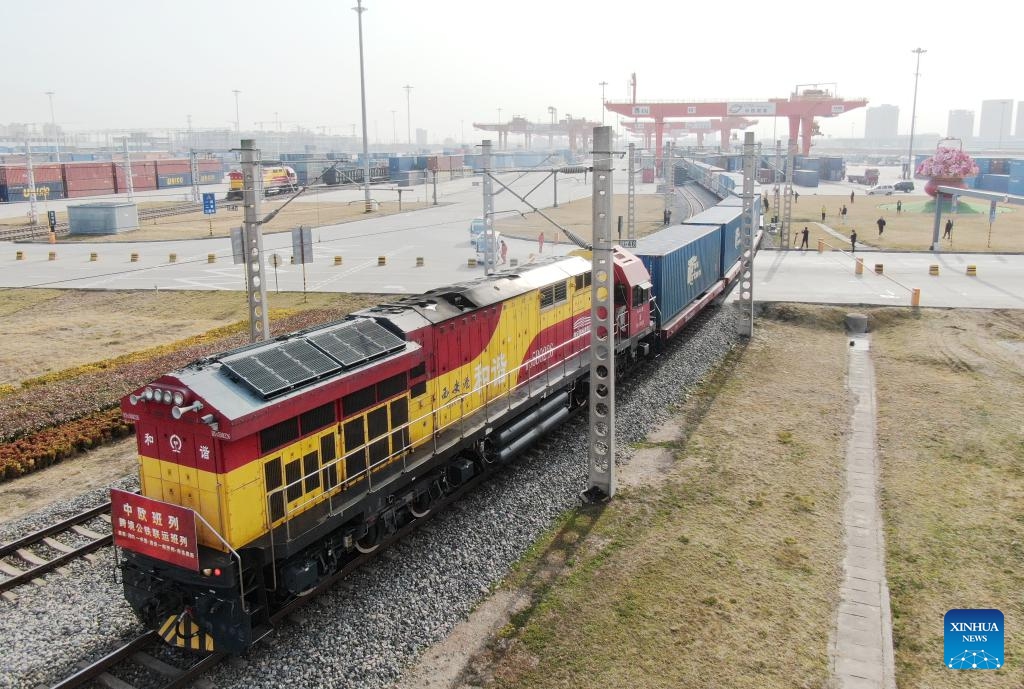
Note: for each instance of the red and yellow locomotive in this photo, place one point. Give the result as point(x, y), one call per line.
point(279, 461)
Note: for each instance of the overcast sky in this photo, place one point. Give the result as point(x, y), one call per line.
point(145, 64)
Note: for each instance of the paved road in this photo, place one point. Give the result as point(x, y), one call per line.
point(438, 234)
point(830, 278)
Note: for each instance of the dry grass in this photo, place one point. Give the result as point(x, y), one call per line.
point(53, 330)
point(951, 402)
point(577, 216)
point(727, 574)
point(912, 228)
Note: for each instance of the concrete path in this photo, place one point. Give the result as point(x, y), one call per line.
point(862, 654)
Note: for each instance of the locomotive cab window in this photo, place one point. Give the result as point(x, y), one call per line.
point(583, 281)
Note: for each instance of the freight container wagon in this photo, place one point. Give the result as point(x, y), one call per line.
point(684, 262)
point(729, 219)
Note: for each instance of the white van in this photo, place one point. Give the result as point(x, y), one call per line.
point(884, 189)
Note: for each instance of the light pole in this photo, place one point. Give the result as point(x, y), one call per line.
point(238, 123)
point(913, 114)
point(602, 84)
point(53, 123)
point(408, 113)
point(394, 128)
point(359, 9)
point(499, 115)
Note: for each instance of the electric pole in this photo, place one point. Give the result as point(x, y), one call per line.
point(488, 241)
point(33, 213)
point(602, 326)
point(53, 123)
point(408, 112)
point(368, 208)
point(128, 172)
point(602, 84)
point(252, 239)
point(913, 115)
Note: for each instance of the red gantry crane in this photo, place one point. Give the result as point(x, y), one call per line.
point(802, 106)
point(698, 127)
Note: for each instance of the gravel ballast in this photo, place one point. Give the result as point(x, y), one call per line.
point(367, 629)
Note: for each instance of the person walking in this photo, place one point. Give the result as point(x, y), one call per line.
point(823, 213)
point(540, 243)
point(853, 241)
point(842, 215)
point(504, 251)
point(881, 225)
point(803, 242)
point(899, 207)
point(948, 234)
point(796, 196)
point(851, 198)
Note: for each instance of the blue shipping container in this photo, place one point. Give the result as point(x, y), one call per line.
point(174, 179)
point(730, 219)
point(1016, 185)
point(45, 191)
point(999, 183)
point(805, 178)
point(684, 261)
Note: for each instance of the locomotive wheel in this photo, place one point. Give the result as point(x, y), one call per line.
point(422, 506)
point(371, 541)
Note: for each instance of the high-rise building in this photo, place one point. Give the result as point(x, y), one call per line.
point(996, 117)
point(1019, 132)
point(961, 124)
point(421, 137)
point(881, 122)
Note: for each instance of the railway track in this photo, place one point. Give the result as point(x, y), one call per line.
point(41, 552)
point(138, 659)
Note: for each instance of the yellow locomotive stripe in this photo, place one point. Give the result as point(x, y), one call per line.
point(235, 503)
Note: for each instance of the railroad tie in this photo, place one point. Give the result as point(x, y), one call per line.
point(158, 666)
point(110, 682)
point(57, 545)
point(30, 557)
point(82, 531)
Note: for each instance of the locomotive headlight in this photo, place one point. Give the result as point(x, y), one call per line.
point(168, 397)
point(147, 394)
point(179, 398)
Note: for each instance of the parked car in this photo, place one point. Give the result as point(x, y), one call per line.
point(905, 185)
point(886, 189)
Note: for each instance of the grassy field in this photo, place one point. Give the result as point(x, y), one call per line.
point(53, 330)
point(911, 228)
point(727, 574)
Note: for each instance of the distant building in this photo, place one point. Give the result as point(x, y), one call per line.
point(996, 117)
point(961, 124)
point(881, 122)
point(1019, 133)
point(421, 137)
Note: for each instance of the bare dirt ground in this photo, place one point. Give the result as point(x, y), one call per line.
point(911, 228)
point(197, 226)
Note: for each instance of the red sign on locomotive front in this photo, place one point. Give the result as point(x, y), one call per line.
point(154, 528)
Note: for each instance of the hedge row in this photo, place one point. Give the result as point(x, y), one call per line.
point(55, 416)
